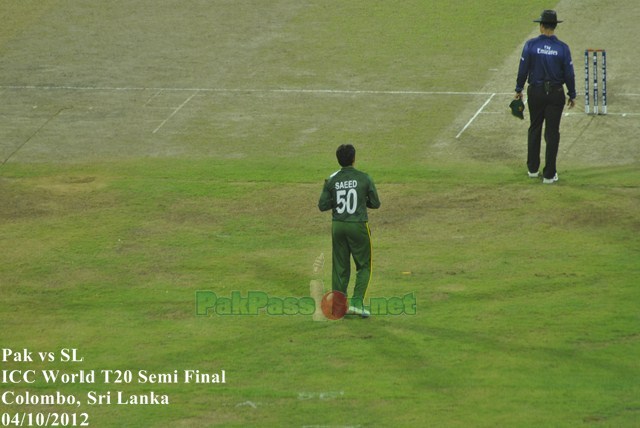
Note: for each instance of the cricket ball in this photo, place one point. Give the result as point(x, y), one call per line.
point(334, 305)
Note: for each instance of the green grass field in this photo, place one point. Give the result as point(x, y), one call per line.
point(149, 150)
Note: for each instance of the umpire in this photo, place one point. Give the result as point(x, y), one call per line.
point(348, 193)
point(546, 64)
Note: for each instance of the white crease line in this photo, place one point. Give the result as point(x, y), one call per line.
point(152, 97)
point(351, 92)
point(475, 115)
point(601, 115)
point(249, 90)
point(265, 90)
point(174, 112)
point(575, 113)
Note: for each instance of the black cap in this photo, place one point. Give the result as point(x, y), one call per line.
point(517, 108)
point(548, 17)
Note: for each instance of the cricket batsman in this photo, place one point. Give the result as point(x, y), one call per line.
point(348, 193)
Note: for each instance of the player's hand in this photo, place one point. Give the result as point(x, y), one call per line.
point(571, 103)
point(518, 96)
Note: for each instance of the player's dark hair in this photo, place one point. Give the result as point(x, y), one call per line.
point(549, 26)
point(346, 154)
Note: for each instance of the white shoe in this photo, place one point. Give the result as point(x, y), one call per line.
point(533, 174)
point(357, 311)
point(551, 180)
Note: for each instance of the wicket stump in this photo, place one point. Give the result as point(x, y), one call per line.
point(587, 106)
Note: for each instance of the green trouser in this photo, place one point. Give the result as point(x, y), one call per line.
point(351, 240)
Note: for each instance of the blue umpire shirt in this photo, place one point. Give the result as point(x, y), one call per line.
point(546, 58)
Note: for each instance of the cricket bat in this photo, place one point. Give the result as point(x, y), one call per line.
point(316, 287)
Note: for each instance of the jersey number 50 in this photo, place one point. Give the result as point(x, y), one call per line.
point(347, 201)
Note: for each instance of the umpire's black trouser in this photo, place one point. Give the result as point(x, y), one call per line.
point(545, 106)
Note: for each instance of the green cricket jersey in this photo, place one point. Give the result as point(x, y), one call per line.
point(349, 192)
